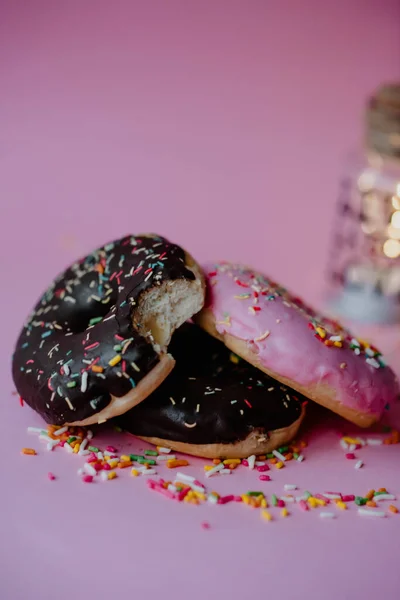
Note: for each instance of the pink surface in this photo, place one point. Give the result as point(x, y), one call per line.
point(276, 327)
point(120, 116)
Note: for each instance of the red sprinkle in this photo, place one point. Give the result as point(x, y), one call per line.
point(262, 468)
point(98, 466)
point(281, 503)
point(238, 499)
point(106, 467)
point(226, 499)
point(87, 478)
point(248, 404)
point(21, 401)
point(348, 498)
point(245, 462)
point(350, 455)
point(205, 525)
point(264, 478)
point(51, 476)
point(111, 449)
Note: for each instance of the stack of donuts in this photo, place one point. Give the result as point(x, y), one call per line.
point(213, 361)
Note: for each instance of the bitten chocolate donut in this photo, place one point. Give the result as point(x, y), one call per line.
point(96, 342)
point(215, 404)
point(288, 340)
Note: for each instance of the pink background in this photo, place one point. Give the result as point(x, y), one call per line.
point(223, 125)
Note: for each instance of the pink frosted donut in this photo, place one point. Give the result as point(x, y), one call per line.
point(279, 334)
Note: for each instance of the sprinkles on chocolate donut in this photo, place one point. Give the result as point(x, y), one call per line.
point(95, 344)
point(215, 404)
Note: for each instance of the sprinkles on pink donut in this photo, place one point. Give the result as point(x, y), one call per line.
point(277, 332)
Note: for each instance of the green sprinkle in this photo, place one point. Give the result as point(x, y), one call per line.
point(93, 449)
point(296, 455)
point(270, 455)
point(151, 452)
point(360, 501)
point(379, 493)
point(146, 461)
point(274, 500)
point(71, 384)
point(95, 320)
point(283, 449)
point(118, 348)
point(136, 457)
point(255, 494)
point(307, 494)
point(71, 439)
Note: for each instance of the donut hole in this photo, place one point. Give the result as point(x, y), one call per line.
point(164, 308)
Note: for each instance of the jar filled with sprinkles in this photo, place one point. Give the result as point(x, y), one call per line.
point(364, 261)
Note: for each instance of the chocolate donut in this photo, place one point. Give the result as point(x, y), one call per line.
point(95, 343)
point(278, 333)
point(215, 404)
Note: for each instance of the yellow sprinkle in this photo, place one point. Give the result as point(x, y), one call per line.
point(134, 472)
point(312, 502)
point(234, 359)
point(284, 512)
point(262, 337)
point(113, 463)
point(115, 360)
point(321, 332)
point(76, 448)
point(264, 503)
point(320, 502)
point(266, 515)
point(341, 505)
point(112, 475)
point(338, 344)
point(125, 457)
point(232, 461)
point(350, 440)
point(208, 467)
point(245, 498)
point(30, 451)
point(279, 465)
point(200, 496)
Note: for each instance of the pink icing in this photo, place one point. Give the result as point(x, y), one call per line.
point(284, 333)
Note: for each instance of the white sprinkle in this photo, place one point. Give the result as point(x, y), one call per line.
point(262, 336)
point(45, 438)
point(149, 472)
point(352, 447)
point(364, 512)
point(51, 445)
point(164, 450)
point(70, 299)
point(358, 464)
point(373, 362)
point(100, 455)
point(68, 448)
point(107, 453)
point(67, 370)
point(35, 430)
point(300, 498)
point(84, 453)
point(259, 463)
point(68, 401)
point(344, 444)
point(104, 475)
point(374, 442)
point(278, 455)
point(289, 486)
point(166, 457)
point(84, 381)
point(361, 441)
point(287, 498)
point(300, 458)
point(198, 408)
point(214, 470)
point(89, 434)
point(172, 488)
point(82, 447)
point(225, 472)
point(184, 477)
point(271, 389)
point(381, 497)
point(335, 338)
point(332, 496)
point(355, 342)
point(60, 431)
point(172, 400)
point(252, 461)
point(357, 351)
point(212, 499)
point(327, 515)
point(89, 469)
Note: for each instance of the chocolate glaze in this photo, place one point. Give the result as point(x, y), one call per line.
point(211, 396)
point(84, 320)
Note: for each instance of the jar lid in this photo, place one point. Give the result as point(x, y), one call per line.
point(383, 121)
